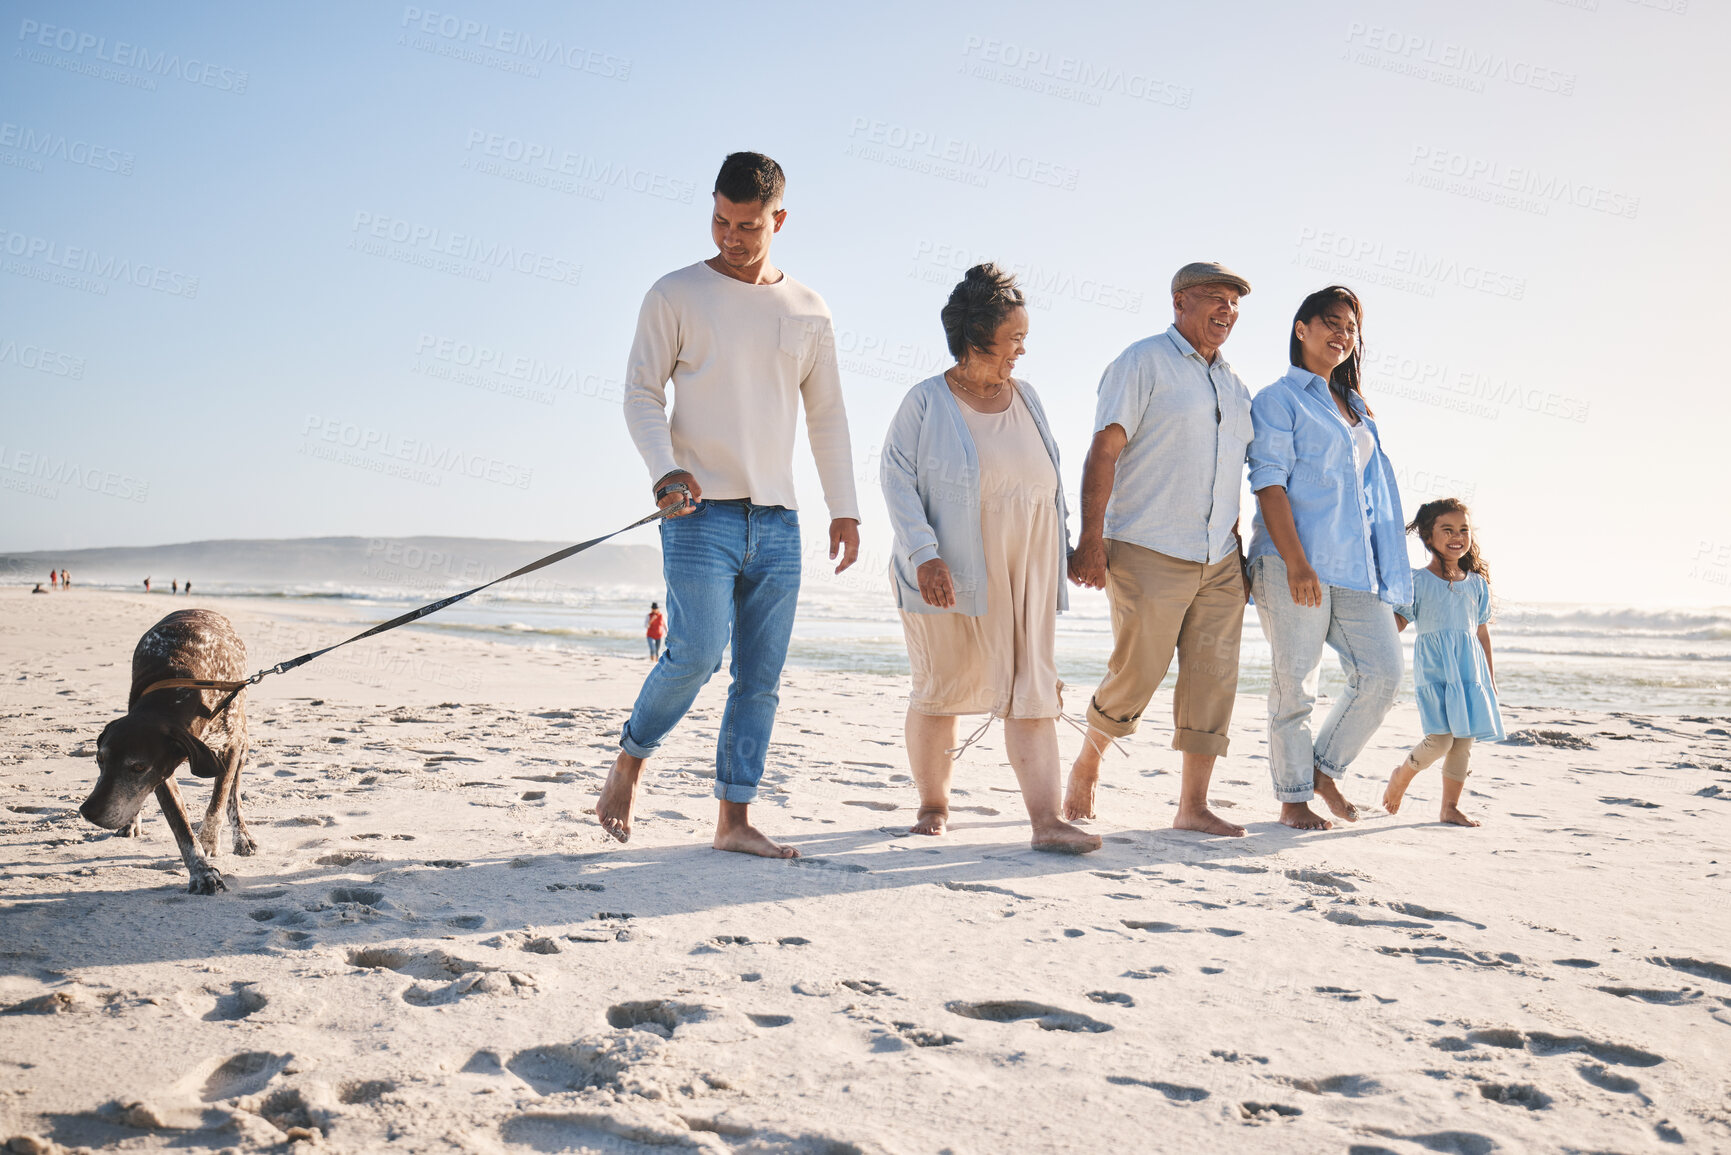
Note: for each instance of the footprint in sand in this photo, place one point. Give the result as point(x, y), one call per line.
point(441, 978)
point(358, 1092)
point(247, 1073)
point(1047, 1018)
point(1175, 1092)
point(769, 1020)
point(867, 987)
point(657, 1016)
point(214, 1005)
point(1270, 1112)
point(1516, 1095)
point(984, 888)
point(1350, 1086)
point(1117, 997)
point(1718, 972)
point(870, 805)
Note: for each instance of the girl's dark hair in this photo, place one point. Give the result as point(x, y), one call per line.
point(1425, 520)
point(1347, 375)
point(977, 306)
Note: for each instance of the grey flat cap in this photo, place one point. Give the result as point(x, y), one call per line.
point(1208, 273)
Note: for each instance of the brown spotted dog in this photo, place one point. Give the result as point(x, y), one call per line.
point(139, 753)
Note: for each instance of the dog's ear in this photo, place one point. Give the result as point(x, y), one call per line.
point(200, 759)
point(103, 737)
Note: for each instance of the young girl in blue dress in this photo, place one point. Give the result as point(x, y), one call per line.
point(1451, 661)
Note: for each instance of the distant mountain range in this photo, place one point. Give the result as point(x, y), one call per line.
point(414, 562)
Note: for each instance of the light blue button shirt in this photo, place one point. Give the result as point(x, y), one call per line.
point(931, 480)
point(1177, 484)
point(1349, 517)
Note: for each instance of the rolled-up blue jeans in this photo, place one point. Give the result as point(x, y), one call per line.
point(1360, 628)
point(732, 571)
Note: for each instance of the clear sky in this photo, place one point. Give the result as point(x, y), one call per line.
point(351, 268)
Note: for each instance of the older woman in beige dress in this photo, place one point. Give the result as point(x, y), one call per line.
point(970, 475)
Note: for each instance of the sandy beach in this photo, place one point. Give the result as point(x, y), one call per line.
point(437, 949)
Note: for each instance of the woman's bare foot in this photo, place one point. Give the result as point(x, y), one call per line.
point(1397, 784)
point(619, 796)
point(1329, 791)
point(1300, 816)
point(1079, 796)
point(931, 820)
point(734, 831)
point(1453, 815)
point(1207, 822)
point(1057, 837)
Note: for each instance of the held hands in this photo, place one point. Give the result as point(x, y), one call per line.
point(935, 585)
point(1305, 586)
point(677, 498)
point(844, 539)
point(1088, 563)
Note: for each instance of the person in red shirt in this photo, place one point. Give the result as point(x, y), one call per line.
point(655, 628)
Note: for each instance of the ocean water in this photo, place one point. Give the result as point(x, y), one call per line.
point(1666, 661)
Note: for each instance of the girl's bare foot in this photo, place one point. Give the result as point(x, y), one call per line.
point(1329, 791)
point(1061, 838)
point(1397, 784)
point(1452, 815)
point(619, 796)
point(931, 820)
point(1206, 821)
point(1300, 816)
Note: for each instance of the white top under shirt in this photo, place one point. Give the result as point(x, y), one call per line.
point(741, 358)
point(1363, 445)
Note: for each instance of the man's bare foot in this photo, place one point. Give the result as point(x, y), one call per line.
point(1452, 814)
point(1300, 816)
point(1061, 838)
point(734, 831)
point(619, 796)
point(931, 820)
point(1329, 792)
point(1206, 821)
point(1079, 796)
point(1397, 784)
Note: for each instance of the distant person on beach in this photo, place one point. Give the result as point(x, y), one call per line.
point(1328, 557)
point(53, 580)
point(1453, 679)
point(187, 589)
point(65, 580)
point(655, 628)
point(1160, 492)
point(744, 345)
point(176, 588)
point(970, 475)
point(38, 589)
point(146, 585)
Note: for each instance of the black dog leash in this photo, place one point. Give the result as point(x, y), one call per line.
point(235, 688)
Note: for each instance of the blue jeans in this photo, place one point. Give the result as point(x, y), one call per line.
point(1360, 628)
point(732, 569)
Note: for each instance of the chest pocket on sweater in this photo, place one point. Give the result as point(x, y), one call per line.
point(800, 340)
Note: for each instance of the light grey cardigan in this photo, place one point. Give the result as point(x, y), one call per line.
point(931, 481)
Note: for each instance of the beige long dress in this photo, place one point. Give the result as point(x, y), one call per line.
point(1001, 663)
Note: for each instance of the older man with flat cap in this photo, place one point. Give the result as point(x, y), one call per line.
point(1160, 534)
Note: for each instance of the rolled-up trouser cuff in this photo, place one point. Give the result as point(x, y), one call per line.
point(1335, 772)
point(1204, 742)
point(1296, 795)
point(630, 746)
point(1111, 726)
point(735, 793)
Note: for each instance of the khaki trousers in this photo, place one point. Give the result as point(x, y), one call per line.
point(1162, 604)
point(1437, 746)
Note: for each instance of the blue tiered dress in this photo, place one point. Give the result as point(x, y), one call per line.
point(1451, 678)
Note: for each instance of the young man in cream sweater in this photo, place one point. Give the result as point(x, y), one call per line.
point(743, 345)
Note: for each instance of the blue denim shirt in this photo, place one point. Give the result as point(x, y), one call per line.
point(1349, 521)
point(931, 480)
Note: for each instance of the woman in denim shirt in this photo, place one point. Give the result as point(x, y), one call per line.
point(1328, 559)
point(970, 475)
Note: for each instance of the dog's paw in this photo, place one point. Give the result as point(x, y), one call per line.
point(206, 881)
point(133, 829)
point(245, 845)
